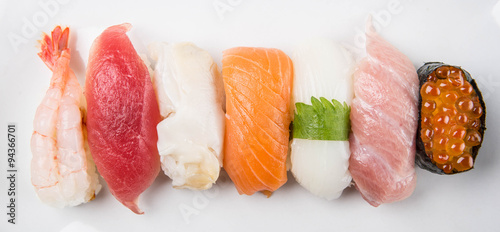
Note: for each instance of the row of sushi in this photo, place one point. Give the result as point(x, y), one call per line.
point(336, 120)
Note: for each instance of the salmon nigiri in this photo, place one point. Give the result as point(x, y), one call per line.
point(258, 84)
point(122, 116)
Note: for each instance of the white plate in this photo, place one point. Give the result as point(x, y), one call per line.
point(458, 33)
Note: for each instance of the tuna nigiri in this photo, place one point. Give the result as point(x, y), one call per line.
point(384, 123)
point(122, 116)
point(62, 170)
point(190, 94)
point(258, 84)
point(320, 147)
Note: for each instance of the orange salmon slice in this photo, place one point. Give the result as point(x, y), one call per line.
point(258, 83)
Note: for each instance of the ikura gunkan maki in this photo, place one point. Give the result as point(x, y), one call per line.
point(451, 119)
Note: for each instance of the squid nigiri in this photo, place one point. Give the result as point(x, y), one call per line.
point(384, 118)
point(190, 94)
point(62, 170)
point(258, 83)
point(320, 147)
point(122, 116)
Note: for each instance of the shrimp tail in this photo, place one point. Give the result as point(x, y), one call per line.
point(53, 45)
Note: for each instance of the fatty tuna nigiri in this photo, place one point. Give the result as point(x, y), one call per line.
point(122, 116)
point(322, 93)
point(384, 123)
point(258, 84)
point(190, 94)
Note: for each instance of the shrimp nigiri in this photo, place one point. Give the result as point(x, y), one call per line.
point(62, 170)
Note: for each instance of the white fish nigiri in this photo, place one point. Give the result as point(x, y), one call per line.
point(190, 95)
point(320, 147)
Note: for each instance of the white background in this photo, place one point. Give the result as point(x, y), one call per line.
point(459, 33)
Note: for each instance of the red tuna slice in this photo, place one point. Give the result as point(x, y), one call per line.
point(384, 118)
point(122, 114)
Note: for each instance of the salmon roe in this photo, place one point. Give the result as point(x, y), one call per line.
point(450, 119)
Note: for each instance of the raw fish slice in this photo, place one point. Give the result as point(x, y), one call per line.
point(122, 116)
point(384, 121)
point(258, 84)
point(190, 93)
point(322, 69)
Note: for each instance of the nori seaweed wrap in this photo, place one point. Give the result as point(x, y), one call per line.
point(451, 119)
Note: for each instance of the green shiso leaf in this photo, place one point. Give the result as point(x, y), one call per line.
point(323, 120)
